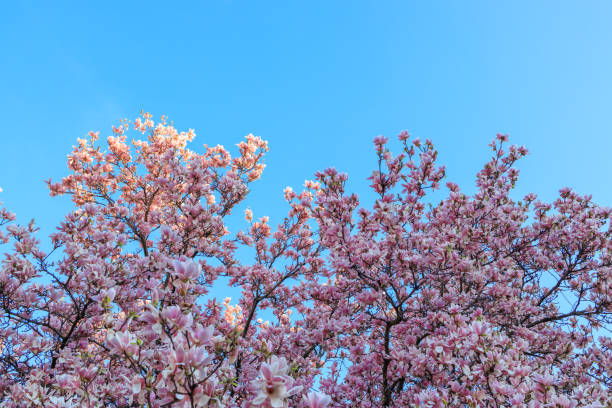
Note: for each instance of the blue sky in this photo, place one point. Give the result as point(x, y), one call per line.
point(318, 80)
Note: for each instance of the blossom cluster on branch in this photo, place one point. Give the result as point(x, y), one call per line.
point(478, 300)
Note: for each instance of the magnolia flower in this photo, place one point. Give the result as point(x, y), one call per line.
point(105, 297)
point(275, 386)
point(174, 315)
point(123, 341)
point(317, 400)
point(186, 270)
point(203, 335)
point(68, 382)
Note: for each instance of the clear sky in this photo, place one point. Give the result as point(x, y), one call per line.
point(318, 80)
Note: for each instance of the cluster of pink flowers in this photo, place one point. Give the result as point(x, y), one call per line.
point(479, 300)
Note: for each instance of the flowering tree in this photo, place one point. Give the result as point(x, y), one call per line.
point(476, 301)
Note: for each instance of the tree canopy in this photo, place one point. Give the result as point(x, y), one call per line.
point(479, 300)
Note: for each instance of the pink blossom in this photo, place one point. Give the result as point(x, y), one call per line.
point(317, 400)
point(404, 299)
